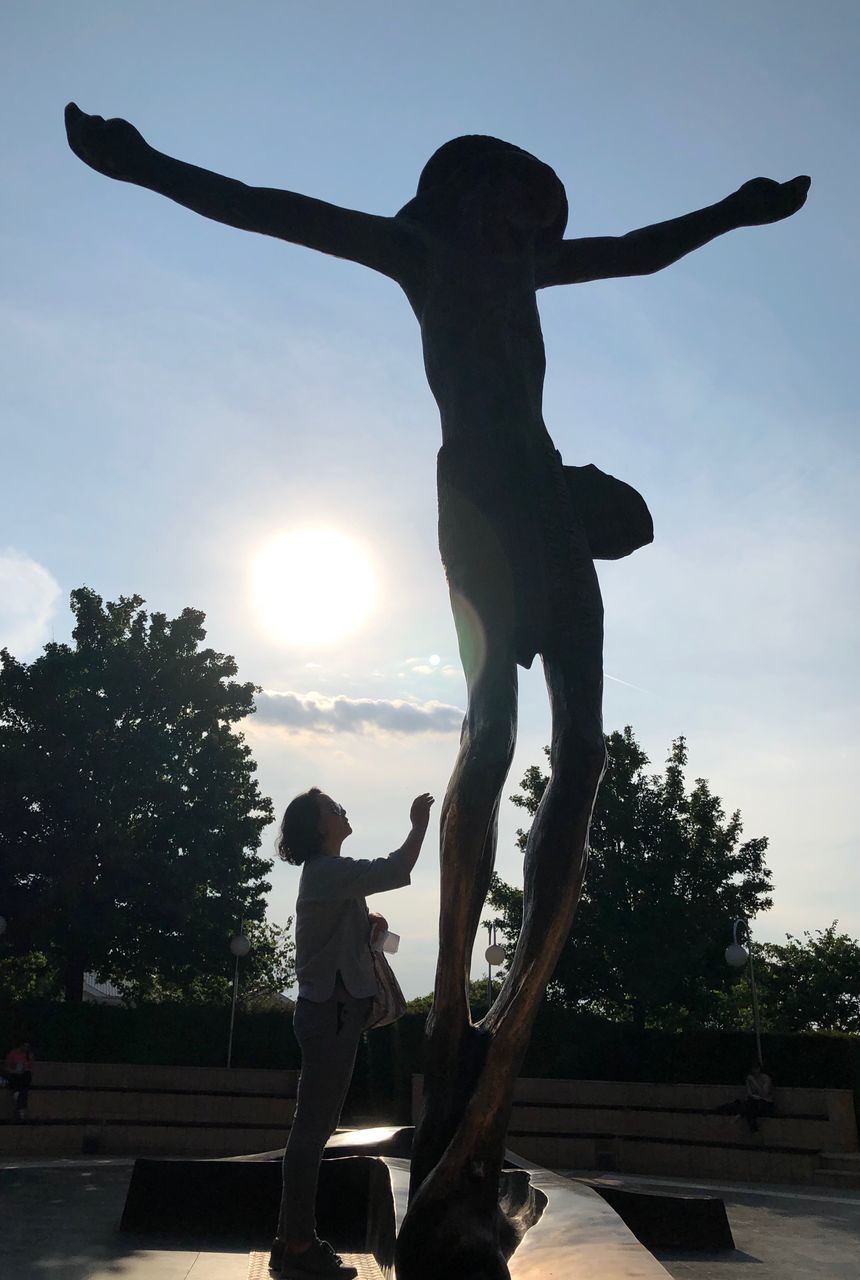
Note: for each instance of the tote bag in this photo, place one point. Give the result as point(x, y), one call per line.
point(389, 1003)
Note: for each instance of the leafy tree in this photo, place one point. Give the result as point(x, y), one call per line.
point(129, 812)
point(477, 997)
point(265, 973)
point(811, 985)
point(28, 977)
point(667, 873)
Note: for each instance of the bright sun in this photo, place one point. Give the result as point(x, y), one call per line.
point(312, 586)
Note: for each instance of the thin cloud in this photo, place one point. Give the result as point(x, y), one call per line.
point(28, 599)
point(317, 713)
point(423, 667)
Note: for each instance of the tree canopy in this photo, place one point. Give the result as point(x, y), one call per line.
point(130, 815)
point(811, 984)
point(264, 974)
point(667, 874)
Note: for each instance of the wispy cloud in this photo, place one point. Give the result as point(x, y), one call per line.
point(318, 713)
point(429, 667)
point(28, 600)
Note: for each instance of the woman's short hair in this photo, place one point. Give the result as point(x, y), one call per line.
point(299, 835)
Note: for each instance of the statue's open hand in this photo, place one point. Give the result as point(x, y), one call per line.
point(112, 147)
point(762, 200)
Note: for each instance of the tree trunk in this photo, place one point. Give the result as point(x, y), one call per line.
point(73, 979)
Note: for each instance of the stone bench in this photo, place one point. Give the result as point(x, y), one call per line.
point(672, 1129)
point(128, 1109)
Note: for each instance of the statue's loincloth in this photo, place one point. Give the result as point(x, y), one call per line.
point(518, 532)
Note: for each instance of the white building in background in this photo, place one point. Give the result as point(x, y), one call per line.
point(96, 992)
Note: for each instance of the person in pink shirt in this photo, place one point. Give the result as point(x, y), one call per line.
point(18, 1075)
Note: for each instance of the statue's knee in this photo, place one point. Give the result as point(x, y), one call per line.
point(491, 744)
point(580, 761)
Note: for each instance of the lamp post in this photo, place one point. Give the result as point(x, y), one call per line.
point(240, 946)
point(737, 956)
point(494, 954)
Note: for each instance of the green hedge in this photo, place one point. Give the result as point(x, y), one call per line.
point(174, 1034)
point(578, 1046)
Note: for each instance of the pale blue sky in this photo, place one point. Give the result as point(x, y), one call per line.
point(176, 392)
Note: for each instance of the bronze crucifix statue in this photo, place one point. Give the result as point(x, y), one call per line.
point(518, 534)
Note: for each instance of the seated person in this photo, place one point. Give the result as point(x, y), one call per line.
point(18, 1075)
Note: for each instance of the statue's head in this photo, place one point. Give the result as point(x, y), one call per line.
point(510, 181)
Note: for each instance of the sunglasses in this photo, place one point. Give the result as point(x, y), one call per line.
point(338, 809)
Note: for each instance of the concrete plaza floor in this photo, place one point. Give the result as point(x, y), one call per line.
point(780, 1232)
point(58, 1221)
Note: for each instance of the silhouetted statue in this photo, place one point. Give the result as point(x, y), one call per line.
point(518, 534)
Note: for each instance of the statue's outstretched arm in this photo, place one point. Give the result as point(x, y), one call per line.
point(115, 148)
point(652, 248)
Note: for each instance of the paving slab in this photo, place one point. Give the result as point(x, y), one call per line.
point(364, 1263)
point(781, 1233)
point(59, 1219)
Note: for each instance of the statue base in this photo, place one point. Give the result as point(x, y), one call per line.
point(567, 1227)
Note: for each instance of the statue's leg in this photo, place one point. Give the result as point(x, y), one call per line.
point(454, 1228)
point(469, 821)
point(468, 829)
point(454, 1209)
point(456, 1197)
point(557, 850)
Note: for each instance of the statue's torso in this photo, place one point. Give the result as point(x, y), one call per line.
point(483, 350)
point(507, 533)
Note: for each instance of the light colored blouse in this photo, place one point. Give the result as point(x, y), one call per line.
point(332, 924)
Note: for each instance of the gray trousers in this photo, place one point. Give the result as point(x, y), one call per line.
point(328, 1033)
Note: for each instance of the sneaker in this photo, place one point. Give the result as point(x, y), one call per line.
point(319, 1259)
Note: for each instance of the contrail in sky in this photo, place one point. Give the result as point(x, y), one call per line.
point(627, 684)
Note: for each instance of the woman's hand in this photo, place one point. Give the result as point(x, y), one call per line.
point(419, 814)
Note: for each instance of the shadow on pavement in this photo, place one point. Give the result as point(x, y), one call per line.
point(62, 1221)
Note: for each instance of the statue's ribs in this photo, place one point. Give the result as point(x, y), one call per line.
point(615, 517)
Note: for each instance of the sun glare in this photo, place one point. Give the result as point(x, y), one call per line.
point(312, 586)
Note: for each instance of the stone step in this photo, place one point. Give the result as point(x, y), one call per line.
point(79, 1107)
point(849, 1161)
point(61, 1139)
point(836, 1177)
